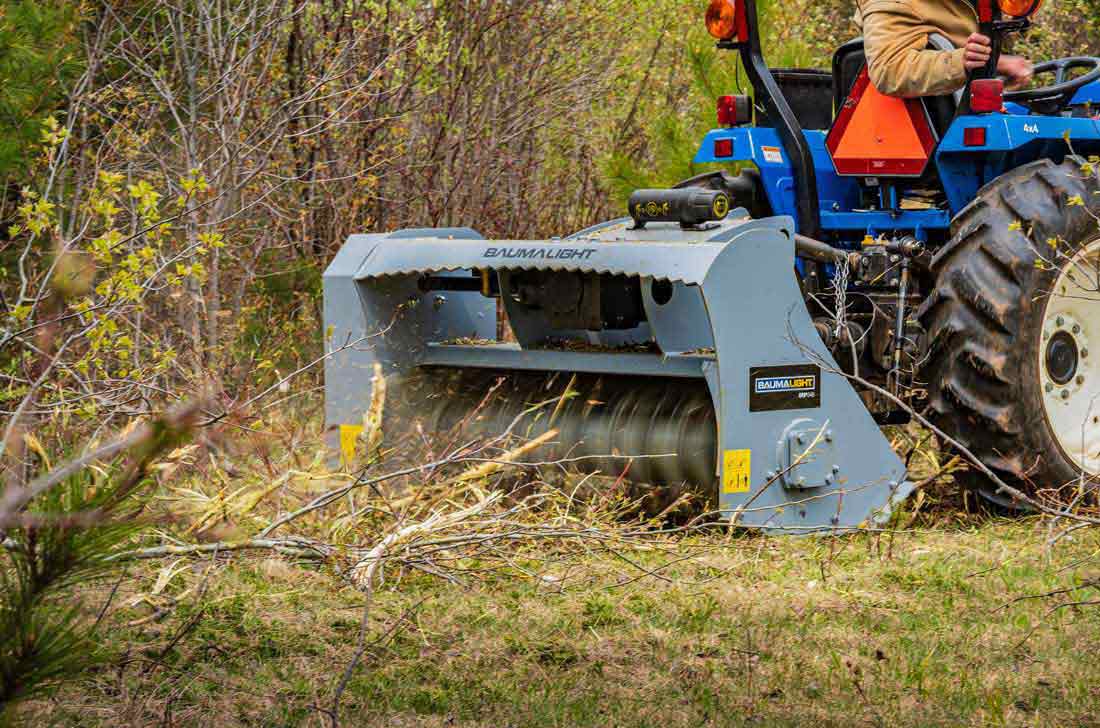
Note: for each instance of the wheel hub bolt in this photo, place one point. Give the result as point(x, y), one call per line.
point(1076, 328)
point(1059, 321)
point(1084, 353)
point(1065, 394)
point(1049, 387)
point(1080, 379)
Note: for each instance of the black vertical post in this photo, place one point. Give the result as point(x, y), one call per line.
point(790, 131)
point(989, 16)
point(996, 37)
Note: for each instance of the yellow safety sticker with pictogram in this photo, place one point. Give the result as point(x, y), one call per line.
point(349, 435)
point(736, 471)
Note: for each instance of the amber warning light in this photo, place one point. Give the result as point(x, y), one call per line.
point(1020, 8)
point(722, 19)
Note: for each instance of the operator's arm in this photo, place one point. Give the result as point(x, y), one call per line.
point(896, 40)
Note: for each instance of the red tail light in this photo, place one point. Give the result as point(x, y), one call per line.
point(723, 147)
point(987, 95)
point(727, 111)
point(734, 110)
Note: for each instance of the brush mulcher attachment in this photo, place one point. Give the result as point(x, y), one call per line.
point(695, 357)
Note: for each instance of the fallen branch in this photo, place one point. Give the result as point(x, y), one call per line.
point(947, 467)
point(1091, 584)
point(290, 547)
point(486, 469)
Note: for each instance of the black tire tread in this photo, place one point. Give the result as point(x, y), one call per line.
point(983, 313)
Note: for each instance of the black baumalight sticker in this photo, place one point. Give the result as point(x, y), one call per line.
point(793, 386)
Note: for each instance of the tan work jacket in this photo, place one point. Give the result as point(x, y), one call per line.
point(895, 35)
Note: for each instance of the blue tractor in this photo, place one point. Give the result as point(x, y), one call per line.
point(945, 256)
point(976, 217)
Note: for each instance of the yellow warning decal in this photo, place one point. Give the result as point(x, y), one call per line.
point(349, 435)
point(736, 471)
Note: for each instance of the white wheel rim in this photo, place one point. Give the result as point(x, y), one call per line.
point(1071, 324)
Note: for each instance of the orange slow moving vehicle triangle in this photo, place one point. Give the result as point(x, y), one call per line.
point(875, 135)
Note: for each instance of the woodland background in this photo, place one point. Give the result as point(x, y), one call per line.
point(191, 166)
point(176, 176)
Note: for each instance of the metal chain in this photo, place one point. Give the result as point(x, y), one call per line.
point(840, 291)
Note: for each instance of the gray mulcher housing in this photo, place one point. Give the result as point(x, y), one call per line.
point(736, 320)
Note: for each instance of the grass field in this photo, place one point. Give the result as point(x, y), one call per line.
point(915, 628)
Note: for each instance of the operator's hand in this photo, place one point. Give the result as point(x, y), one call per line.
point(978, 50)
point(1017, 71)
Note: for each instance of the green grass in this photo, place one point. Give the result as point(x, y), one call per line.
point(908, 630)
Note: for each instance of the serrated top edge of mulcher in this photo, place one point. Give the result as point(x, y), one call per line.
point(684, 262)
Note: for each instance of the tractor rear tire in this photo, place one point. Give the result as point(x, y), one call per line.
point(994, 377)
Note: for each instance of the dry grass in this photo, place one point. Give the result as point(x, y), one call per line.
point(860, 630)
point(908, 628)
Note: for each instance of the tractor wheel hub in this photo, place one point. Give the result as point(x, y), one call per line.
point(1070, 375)
point(1061, 357)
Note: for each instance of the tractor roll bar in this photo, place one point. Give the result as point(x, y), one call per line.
point(788, 128)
